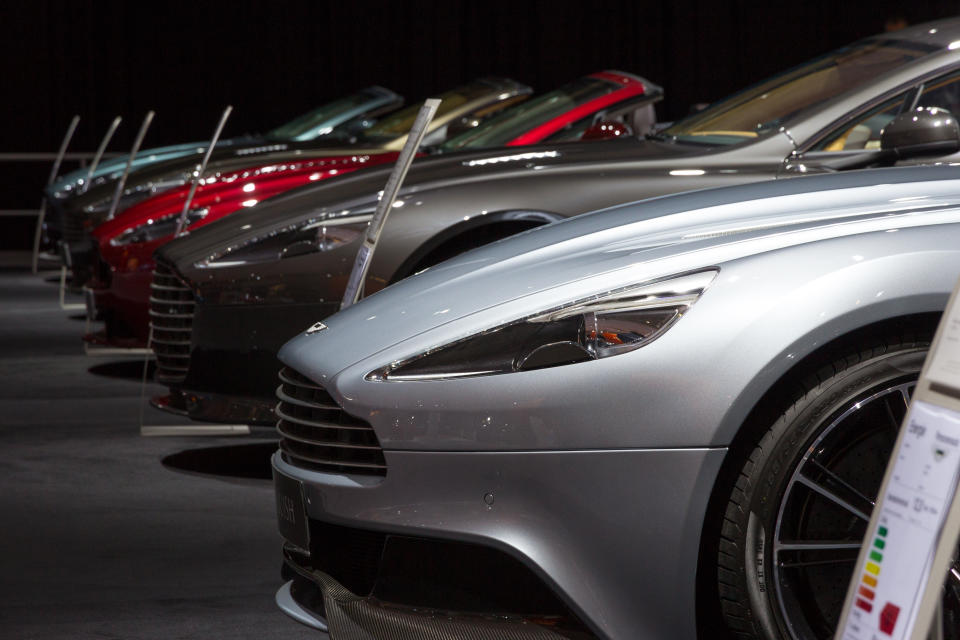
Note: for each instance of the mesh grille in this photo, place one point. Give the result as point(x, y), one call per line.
point(171, 321)
point(73, 230)
point(315, 433)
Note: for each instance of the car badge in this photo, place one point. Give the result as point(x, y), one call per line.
point(316, 328)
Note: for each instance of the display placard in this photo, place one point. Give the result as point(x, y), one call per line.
point(912, 537)
point(945, 361)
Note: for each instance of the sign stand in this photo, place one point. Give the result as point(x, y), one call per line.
point(147, 119)
point(38, 233)
point(189, 429)
point(113, 209)
point(103, 147)
point(361, 265)
point(897, 585)
point(182, 220)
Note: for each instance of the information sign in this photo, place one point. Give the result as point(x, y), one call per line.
point(912, 537)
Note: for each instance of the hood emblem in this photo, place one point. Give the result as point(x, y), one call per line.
point(316, 328)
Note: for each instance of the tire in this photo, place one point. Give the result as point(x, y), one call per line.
point(813, 476)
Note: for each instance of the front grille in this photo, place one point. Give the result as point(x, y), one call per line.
point(73, 229)
point(315, 433)
point(171, 321)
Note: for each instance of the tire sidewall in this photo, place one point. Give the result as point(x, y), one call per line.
point(782, 449)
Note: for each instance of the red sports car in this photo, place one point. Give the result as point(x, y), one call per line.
point(120, 291)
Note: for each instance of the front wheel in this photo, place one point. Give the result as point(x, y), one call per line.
point(795, 520)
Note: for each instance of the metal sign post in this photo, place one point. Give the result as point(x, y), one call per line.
point(897, 586)
point(38, 234)
point(182, 221)
point(189, 429)
point(362, 263)
point(103, 147)
point(113, 208)
point(147, 119)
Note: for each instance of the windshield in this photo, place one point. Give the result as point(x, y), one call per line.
point(518, 120)
point(400, 123)
point(324, 119)
point(763, 107)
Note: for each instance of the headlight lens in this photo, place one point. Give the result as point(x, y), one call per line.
point(155, 229)
point(598, 327)
point(323, 234)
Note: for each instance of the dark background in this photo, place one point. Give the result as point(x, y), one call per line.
point(272, 60)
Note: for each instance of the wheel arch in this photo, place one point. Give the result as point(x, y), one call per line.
point(508, 221)
point(779, 395)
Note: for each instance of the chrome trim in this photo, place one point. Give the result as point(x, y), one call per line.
point(318, 424)
point(305, 403)
point(329, 461)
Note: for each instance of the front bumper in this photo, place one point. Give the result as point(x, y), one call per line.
point(214, 407)
point(614, 534)
point(233, 366)
point(123, 306)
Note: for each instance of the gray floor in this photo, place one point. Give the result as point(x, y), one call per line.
point(98, 539)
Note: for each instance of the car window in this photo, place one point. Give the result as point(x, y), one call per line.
point(762, 109)
point(498, 131)
point(322, 120)
point(944, 92)
point(572, 131)
point(864, 131)
point(399, 123)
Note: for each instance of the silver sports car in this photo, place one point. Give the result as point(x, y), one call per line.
point(662, 418)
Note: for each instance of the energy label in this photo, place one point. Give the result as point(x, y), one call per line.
point(913, 511)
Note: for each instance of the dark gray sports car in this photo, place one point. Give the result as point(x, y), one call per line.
point(235, 290)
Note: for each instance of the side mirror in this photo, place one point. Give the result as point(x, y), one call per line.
point(606, 129)
point(925, 131)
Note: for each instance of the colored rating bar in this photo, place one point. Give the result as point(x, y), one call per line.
point(866, 593)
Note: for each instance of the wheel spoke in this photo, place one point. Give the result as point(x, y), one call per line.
point(797, 564)
point(955, 577)
point(831, 486)
point(816, 545)
point(895, 421)
point(905, 395)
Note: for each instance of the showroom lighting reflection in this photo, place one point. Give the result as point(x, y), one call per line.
point(516, 157)
point(687, 172)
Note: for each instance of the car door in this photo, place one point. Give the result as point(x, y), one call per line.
point(860, 132)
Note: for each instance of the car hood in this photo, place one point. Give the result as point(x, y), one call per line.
point(177, 169)
point(359, 191)
point(607, 250)
point(111, 169)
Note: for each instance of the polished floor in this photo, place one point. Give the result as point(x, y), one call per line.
point(108, 534)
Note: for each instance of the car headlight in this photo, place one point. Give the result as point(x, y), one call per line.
point(597, 327)
point(322, 234)
point(161, 227)
point(98, 212)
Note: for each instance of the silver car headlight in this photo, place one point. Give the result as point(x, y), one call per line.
point(597, 327)
point(311, 236)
